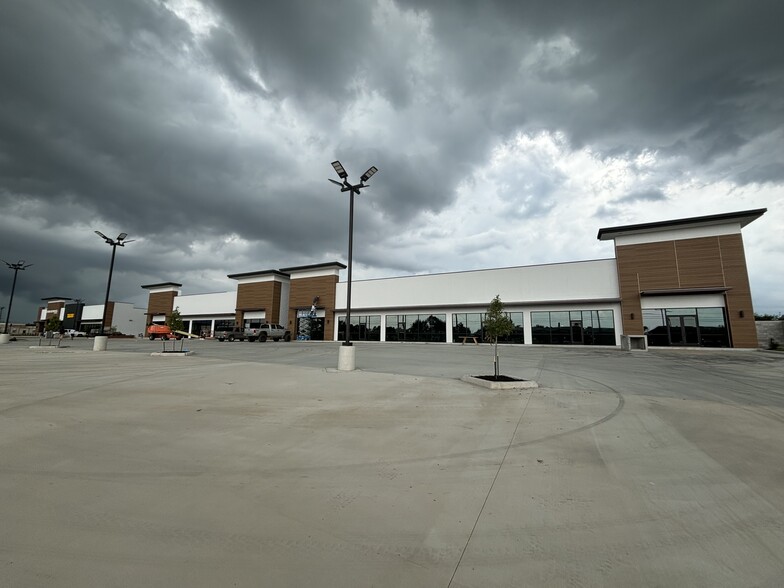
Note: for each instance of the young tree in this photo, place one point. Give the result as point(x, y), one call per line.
point(497, 324)
point(174, 320)
point(52, 324)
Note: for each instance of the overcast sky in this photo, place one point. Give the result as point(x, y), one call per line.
point(506, 133)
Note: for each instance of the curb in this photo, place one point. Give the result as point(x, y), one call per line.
point(499, 385)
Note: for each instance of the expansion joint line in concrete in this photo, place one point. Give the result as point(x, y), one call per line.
point(490, 490)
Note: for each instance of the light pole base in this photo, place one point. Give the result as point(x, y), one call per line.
point(347, 358)
point(4, 338)
point(100, 343)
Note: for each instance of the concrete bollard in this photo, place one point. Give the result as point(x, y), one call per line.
point(100, 343)
point(4, 338)
point(347, 358)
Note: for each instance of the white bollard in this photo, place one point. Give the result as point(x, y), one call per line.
point(100, 343)
point(347, 358)
point(4, 338)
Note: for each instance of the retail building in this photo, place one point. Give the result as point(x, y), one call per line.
point(121, 317)
point(681, 282)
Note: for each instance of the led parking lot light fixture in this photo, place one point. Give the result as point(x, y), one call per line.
point(121, 241)
point(340, 170)
point(368, 174)
point(19, 265)
point(345, 186)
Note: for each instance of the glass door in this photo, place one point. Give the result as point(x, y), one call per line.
point(683, 330)
point(577, 332)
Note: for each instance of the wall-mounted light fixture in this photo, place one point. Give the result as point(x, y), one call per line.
point(742, 314)
point(632, 315)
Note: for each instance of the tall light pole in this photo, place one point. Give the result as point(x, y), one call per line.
point(120, 240)
point(19, 265)
point(345, 186)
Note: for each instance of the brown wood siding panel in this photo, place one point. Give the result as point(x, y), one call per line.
point(301, 295)
point(160, 303)
point(258, 296)
point(743, 329)
point(688, 263)
point(109, 315)
point(645, 266)
point(656, 265)
point(699, 262)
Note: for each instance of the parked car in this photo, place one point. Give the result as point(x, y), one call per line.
point(268, 331)
point(74, 333)
point(233, 334)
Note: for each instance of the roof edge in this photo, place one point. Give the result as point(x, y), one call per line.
point(744, 217)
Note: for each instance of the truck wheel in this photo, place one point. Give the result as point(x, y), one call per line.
point(287, 337)
point(262, 337)
point(231, 337)
point(152, 337)
point(165, 337)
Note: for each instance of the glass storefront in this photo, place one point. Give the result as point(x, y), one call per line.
point(573, 327)
point(690, 327)
point(472, 324)
point(423, 328)
point(201, 328)
point(363, 328)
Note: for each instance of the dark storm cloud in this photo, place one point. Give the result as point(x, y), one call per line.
point(700, 78)
point(114, 115)
point(304, 49)
point(227, 51)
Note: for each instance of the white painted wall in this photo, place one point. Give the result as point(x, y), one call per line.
point(285, 293)
point(127, 319)
point(676, 234)
point(581, 280)
point(683, 301)
point(93, 312)
point(215, 303)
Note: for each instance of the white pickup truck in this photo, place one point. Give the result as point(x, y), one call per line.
point(268, 331)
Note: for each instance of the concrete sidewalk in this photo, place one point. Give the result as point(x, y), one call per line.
point(119, 469)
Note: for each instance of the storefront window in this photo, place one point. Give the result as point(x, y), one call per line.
point(363, 328)
point(573, 327)
point(466, 324)
point(699, 327)
point(423, 328)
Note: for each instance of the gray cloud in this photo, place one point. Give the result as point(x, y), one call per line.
point(212, 146)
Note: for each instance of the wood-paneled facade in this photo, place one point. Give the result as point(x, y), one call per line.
point(669, 258)
point(260, 291)
point(314, 286)
point(161, 299)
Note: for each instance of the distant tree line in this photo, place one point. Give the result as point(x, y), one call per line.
point(769, 317)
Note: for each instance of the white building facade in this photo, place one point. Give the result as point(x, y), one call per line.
point(681, 282)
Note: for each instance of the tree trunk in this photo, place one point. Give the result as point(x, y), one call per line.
point(495, 359)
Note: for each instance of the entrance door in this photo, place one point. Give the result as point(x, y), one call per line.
point(683, 330)
point(577, 332)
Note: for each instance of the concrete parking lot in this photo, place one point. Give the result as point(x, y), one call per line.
point(250, 464)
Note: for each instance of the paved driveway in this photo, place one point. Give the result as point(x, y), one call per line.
point(254, 464)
